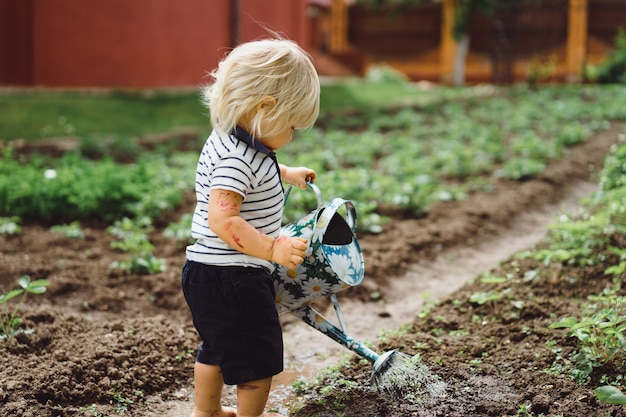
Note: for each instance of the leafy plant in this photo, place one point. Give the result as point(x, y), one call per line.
point(122, 403)
point(610, 395)
point(142, 264)
point(9, 320)
point(10, 225)
point(437, 145)
point(92, 409)
point(132, 234)
point(601, 339)
point(489, 298)
point(613, 70)
point(518, 168)
point(181, 230)
point(72, 230)
point(619, 269)
point(134, 240)
point(74, 188)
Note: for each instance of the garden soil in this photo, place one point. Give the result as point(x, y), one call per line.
point(107, 343)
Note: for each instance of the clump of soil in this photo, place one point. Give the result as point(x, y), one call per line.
point(106, 343)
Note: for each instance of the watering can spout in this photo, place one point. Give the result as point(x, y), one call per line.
point(383, 362)
point(316, 320)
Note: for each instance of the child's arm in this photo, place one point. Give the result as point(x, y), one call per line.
point(297, 176)
point(225, 221)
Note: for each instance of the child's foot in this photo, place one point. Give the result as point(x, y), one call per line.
point(229, 412)
point(273, 415)
point(226, 412)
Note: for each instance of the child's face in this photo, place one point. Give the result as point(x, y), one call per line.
point(278, 141)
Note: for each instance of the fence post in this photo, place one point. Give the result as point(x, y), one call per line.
point(576, 50)
point(447, 45)
point(338, 42)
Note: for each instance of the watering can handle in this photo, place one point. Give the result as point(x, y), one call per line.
point(315, 188)
point(332, 206)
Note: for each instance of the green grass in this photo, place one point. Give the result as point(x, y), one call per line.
point(42, 114)
point(364, 94)
point(38, 114)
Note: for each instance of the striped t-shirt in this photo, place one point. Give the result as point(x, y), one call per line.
point(236, 163)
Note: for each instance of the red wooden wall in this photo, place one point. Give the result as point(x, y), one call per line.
point(132, 43)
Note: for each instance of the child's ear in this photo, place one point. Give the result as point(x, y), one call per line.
point(266, 104)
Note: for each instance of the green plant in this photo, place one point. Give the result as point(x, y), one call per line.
point(142, 264)
point(619, 269)
point(489, 298)
point(613, 70)
point(518, 168)
point(10, 225)
point(72, 230)
point(9, 319)
point(92, 408)
point(135, 241)
point(132, 234)
point(74, 188)
point(122, 403)
point(600, 336)
point(181, 230)
point(610, 395)
point(524, 411)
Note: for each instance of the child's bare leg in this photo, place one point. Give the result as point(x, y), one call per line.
point(209, 382)
point(252, 397)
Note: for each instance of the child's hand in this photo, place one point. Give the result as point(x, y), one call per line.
point(289, 251)
point(298, 176)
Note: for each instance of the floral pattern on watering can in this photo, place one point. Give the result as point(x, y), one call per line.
point(327, 268)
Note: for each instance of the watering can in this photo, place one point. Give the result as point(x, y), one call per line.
point(333, 262)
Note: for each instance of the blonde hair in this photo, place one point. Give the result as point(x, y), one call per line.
point(252, 71)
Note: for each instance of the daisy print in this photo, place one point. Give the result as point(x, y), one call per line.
point(315, 319)
point(342, 265)
point(288, 230)
point(315, 288)
point(321, 323)
point(320, 230)
point(355, 254)
point(306, 233)
point(292, 275)
point(338, 287)
point(329, 270)
point(283, 296)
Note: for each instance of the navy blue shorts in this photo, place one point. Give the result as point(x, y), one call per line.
point(234, 312)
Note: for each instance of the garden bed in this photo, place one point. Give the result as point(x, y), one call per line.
point(112, 343)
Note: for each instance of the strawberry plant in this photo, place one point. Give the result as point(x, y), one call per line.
point(610, 395)
point(134, 240)
point(9, 320)
point(600, 329)
point(601, 338)
point(10, 225)
point(72, 230)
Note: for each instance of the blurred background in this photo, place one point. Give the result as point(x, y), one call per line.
point(165, 43)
